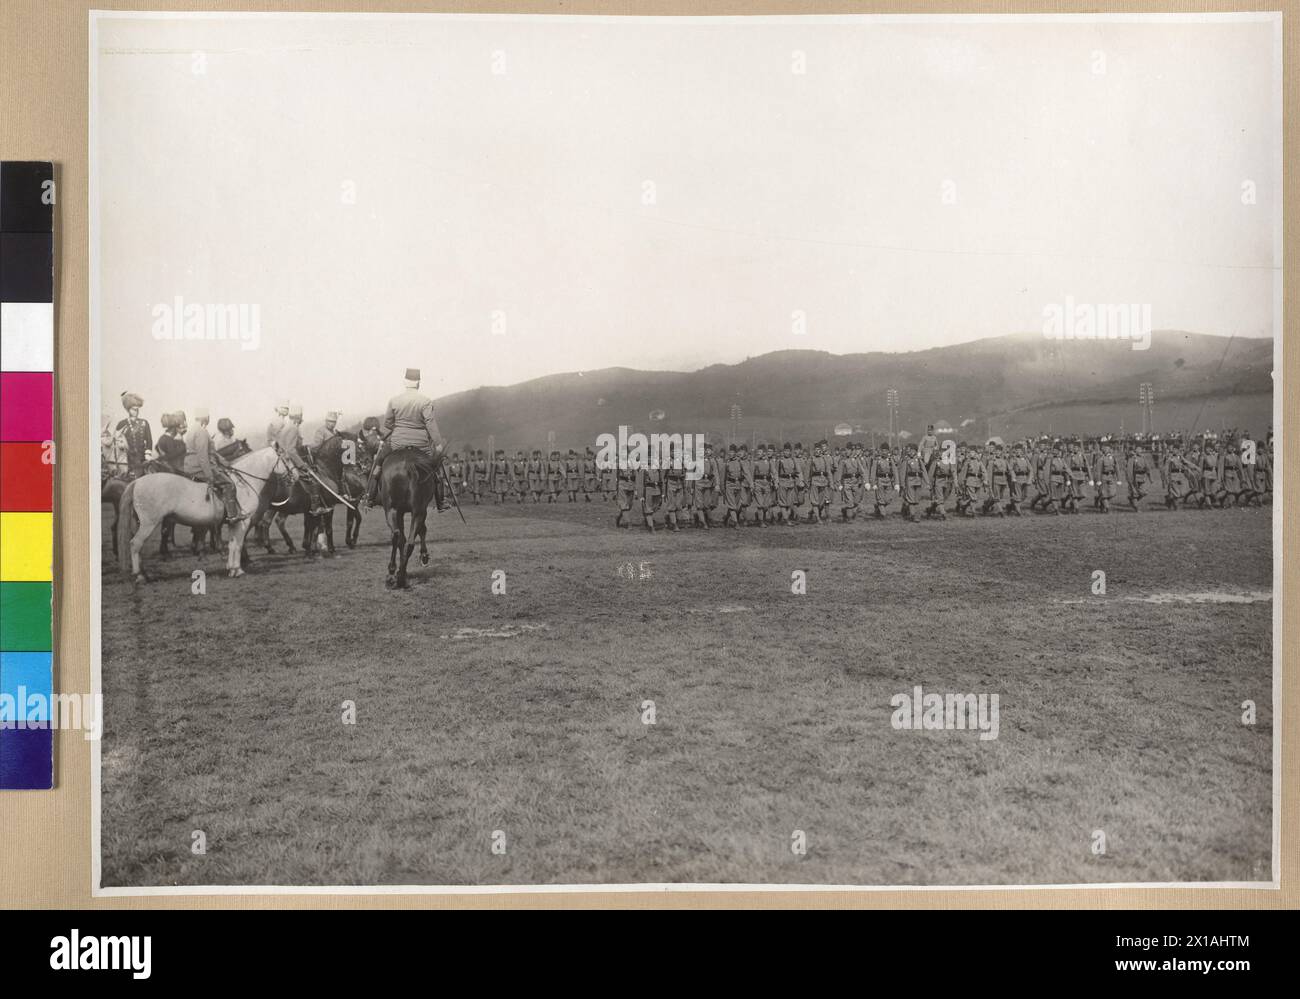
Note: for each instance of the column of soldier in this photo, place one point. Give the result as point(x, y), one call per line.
point(772, 486)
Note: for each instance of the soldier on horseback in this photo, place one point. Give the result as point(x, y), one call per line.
point(408, 423)
point(202, 460)
point(291, 445)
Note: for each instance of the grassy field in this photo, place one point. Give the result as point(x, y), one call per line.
point(522, 712)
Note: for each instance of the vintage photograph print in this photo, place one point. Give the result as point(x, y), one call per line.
point(684, 451)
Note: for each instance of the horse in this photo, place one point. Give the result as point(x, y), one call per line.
point(329, 466)
point(406, 486)
point(356, 475)
point(354, 489)
point(154, 497)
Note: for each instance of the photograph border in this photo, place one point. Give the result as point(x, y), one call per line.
point(30, 820)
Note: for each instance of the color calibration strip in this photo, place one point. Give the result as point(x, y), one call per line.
point(26, 474)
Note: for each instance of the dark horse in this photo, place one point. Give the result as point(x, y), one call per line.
point(406, 486)
point(328, 460)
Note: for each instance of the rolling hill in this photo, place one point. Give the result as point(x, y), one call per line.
point(1013, 384)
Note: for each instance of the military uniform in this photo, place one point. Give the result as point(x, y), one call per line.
point(884, 480)
point(519, 476)
point(499, 476)
point(649, 487)
point(201, 461)
point(1106, 475)
point(913, 484)
point(1021, 476)
point(789, 481)
point(537, 476)
point(821, 476)
point(735, 478)
point(761, 479)
point(1138, 476)
point(704, 490)
point(572, 475)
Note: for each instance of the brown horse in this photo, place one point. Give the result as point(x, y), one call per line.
point(406, 483)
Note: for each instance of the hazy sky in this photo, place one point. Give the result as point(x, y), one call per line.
point(660, 193)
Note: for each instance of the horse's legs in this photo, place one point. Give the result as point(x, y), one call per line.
point(328, 521)
point(310, 528)
point(352, 529)
point(280, 519)
point(235, 550)
point(166, 537)
point(397, 540)
point(137, 542)
point(421, 528)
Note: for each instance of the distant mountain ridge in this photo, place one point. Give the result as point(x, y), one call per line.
point(1010, 384)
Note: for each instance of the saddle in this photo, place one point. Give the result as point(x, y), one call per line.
point(234, 450)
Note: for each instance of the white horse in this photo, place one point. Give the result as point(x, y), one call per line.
point(153, 497)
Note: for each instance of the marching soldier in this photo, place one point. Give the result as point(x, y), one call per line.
point(519, 476)
point(1106, 473)
point(537, 475)
point(480, 471)
point(913, 482)
point(705, 490)
point(735, 475)
point(499, 476)
point(1079, 472)
point(789, 483)
point(1021, 474)
point(1177, 476)
point(554, 477)
point(1058, 479)
point(456, 473)
point(649, 488)
point(821, 477)
point(884, 480)
point(971, 480)
point(1137, 475)
point(1211, 492)
point(761, 479)
point(673, 483)
point(801, 489)
point(572, 475)
point(943, 474)
point(590, 474)
point(608, 482)
point(1231, 479)
point(998, 474)
point(625, 491)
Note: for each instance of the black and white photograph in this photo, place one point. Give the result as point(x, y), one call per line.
point(545, 451)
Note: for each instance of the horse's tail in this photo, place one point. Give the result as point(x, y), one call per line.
point(125, 524)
